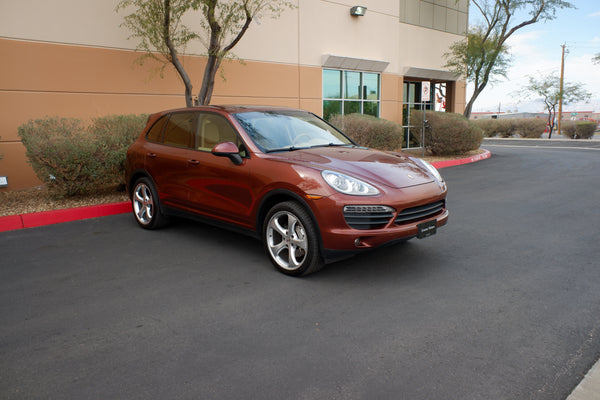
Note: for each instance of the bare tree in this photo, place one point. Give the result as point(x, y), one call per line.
point(499, 21)
point(158, 27)
point(548, 88)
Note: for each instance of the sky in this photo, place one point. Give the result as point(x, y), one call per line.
point(536, 51)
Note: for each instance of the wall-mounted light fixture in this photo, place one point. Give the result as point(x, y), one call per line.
point(358, 11)
point(3, 182)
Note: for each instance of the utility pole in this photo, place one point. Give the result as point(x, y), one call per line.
point(560, 93)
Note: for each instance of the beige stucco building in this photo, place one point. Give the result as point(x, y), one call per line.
point(71, 58)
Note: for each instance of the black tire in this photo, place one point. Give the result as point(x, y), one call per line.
point(146, 205)
point(291, 240)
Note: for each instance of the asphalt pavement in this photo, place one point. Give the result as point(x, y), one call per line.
point(502, 303)
point(556, 142)
point(589, 388)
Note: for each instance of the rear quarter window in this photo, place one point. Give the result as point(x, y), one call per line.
point(155, 134)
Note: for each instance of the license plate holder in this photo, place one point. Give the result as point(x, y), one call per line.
point(427, 229)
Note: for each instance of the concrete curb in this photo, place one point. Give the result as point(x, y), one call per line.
point(32, 220)
point(589, 388)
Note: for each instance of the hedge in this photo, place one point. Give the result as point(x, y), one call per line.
point(495, 127)
point(447, 133)
point(568, 129)
point(370, 131)
point(578, 130)
point(73, 159)
point(586, 129)
point(506, 128)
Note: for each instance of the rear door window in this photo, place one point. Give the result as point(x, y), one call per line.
point(181, 129)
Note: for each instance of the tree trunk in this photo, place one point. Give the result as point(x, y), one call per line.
point(208, 81)
point(468, 109)
point(469, 106)
point(214, 55)
point(216, 51)
point(173, 54)
point(551, 114)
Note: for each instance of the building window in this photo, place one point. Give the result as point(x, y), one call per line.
point(442, 15)
point(348, 92)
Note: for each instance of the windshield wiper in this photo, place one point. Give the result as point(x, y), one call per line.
point(294, 148)
point(332, 145)
point(291, 148)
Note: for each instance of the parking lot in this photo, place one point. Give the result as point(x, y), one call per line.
point(502, 303)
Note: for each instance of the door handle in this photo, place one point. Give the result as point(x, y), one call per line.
point(151, 155)
point(194, 162)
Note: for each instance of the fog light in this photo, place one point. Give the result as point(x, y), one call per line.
point(357, 242)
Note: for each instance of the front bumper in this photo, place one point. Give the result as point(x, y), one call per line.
point(337, 235)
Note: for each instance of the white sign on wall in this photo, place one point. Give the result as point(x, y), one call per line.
point(425, 91)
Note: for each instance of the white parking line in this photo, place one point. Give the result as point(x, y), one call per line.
point(542, 147)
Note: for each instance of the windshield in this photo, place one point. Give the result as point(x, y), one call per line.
point(289, 130)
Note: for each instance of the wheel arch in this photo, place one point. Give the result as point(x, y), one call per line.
point(279, 196)
point(134, 176)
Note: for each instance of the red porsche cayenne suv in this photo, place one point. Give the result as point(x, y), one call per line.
point(285, 176)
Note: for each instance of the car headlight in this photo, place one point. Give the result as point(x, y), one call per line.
point(430, 168)
point(348, 185)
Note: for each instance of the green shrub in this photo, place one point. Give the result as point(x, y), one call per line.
point(568, 129)
point(448, 133)
point(115, 133)
point(496, 127)
point(487, 126)
point(72, 159)
point(531, 128)
point(507, 128)
point(370, 131)
point(586, 129)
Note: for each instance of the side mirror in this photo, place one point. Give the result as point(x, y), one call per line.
point(228, 149)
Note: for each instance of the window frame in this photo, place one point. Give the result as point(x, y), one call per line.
point(346, 101)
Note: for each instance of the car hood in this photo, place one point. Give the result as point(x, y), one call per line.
point(376, 167)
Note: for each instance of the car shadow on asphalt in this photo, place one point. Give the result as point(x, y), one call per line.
point(406, 260)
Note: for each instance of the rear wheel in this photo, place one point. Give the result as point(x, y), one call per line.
point(146, 207)
point(291, 240)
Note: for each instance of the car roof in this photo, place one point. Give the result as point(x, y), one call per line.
point(231, 109)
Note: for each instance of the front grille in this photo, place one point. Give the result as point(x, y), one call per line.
point(421, 212)
point(368, 217)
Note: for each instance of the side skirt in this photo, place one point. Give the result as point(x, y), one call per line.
point(173, 212)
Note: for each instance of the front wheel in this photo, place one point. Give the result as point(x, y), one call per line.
point(291, 240)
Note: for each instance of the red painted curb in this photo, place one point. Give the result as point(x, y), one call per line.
point(10, 223)
point(32, 220)
point(452, 163)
